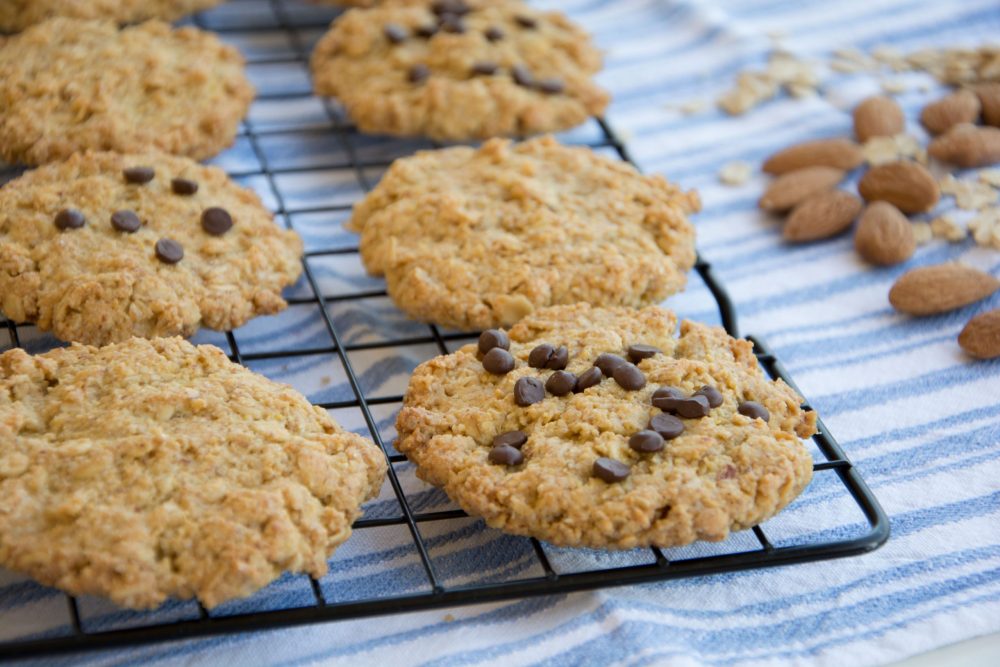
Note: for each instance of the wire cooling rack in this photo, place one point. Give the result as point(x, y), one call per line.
point(305, 159)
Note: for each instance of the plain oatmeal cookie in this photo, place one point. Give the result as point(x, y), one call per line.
point(104, 246)
point(149, 470)
point(459, 70)
point(69, 85)
point(19, 14)
point(472, 238)
point(598, 427)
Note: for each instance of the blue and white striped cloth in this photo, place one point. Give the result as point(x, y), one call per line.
point(920, 420)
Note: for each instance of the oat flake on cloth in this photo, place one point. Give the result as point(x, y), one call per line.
point(918, 418)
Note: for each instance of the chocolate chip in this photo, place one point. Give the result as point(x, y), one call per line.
point(515, 439)
point(457, 7)
point(608, 363)
point(729, 472)
point(426, 31)
point(494, 34)
point(216, 221)
point(638, 352)
point(522, 76)
point(126, 221)
point(560, 383)
point(539, 356)
point(395, 33)
point(69, 218)
point(667, 392)
point(558, 359)
point(138, 175)
point(498, 361)
point(668, 426)
point(528, 391)
point(589, 378)
point(629, 377)
point(689, 408)
point(485, 68)
point(646, 441)
point(452, 23)
point(526, 22)
point(712, 394)
point(492, 338)
point(610, 470)
point(169, 251)
point(505, 455)
point(551, 86)
point(547, 356)
point(754, 410)
point(418, 73)
point(183, 186)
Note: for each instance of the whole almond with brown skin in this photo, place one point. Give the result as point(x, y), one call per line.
point(821, 216)
point(837, 153)
point(967, 146)
point(878, 116)
point(981, 336)
point(906, 185)
point(962, 106)
point(788, 190)
point(884, 235)
point(989, 99)
point(930, 290)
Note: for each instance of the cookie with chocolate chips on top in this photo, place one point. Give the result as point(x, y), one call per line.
point(104, 246)
point(690, 442)
point(459, 69)
point(475, 238)
point(69, 85)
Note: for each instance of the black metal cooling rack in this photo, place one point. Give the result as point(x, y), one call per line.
point(873, 531)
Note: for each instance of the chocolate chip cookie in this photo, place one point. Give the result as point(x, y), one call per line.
point(153, 469)
point(104, 246)
point(645, 438)
point(473, 238)
point(19, 14)
point(68, 85)
point(459, 69)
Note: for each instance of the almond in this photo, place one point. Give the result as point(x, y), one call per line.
point(821, 216)
point(989, 99)
point(981, 336)
point(967, 146)
point(884, 235)
point(878, 116)
point(837, 153)
point(962, 106)
point(906, 185)
point(930, 290)
point(788, 190)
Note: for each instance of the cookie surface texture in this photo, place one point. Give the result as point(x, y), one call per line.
point(149, 470)
point(581, 482)
point(492, 69)
point(88, 249)
point(473, 238)
point(19, 14)
point(69, 85)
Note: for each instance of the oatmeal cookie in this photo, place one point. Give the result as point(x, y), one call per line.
point(19, 14)
point(597, 427)
point(68, 85)
point(154, 469)
point(472, 238)
point(459, 70)
point(104, 246)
